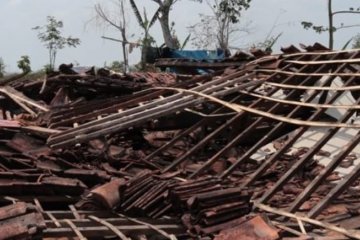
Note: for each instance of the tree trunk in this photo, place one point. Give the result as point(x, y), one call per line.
point(50, 59)
point(52, 56)
point(144, 49)
point(144, 54)
point(224, 32)
point(165, 27)
point(124, 42)
point(123, 35)
point(54, 60)
point(331, 25)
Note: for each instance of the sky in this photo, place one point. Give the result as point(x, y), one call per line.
point(264, 17)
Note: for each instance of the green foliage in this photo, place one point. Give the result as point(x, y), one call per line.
point(233, 8)
point(147, 41)
point(353, 9)
point(268, 43)
point(48, 68)
point(331, 28)
point(137, 13)
point(317, 29)
point(24, 64)
point(217, 30)
point(229, 8)
point(145, 23)
point(135, 68)
point(50, 34)
point(2, 68)
point(116, 66)
point(174, 36)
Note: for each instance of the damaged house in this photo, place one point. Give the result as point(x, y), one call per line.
point(263, 147)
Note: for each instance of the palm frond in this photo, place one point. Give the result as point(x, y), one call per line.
point(185, 42)
point(137, 13)
point(347, 43)
point(154, 18)
point(273, 41)
point(146, 20)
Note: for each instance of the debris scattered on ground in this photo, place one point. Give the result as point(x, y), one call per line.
point(262, 147)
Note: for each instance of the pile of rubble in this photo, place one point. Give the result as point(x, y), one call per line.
point(263, 147)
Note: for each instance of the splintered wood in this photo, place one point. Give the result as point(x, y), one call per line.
point(265, 147)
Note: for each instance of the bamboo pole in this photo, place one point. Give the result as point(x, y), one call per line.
point(304, 104)
point(321, 53)
point(289, 86)
point(240, 108)
point(109, 226)
point(74, 228)
point(355, 60)
point(162, 232)
point(309, 74)
point(350, 233)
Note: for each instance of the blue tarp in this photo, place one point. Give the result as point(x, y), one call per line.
point(197, 54)
point(202, 55)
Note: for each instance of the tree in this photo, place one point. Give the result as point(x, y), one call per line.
point(145, 23)
point(356, 43)
point(268, 44)
point(216, 30)
point(117, 21)
point(232, 8)
point(116, 66)
point(331, 29)
point(50, 34)
point(164, 19)
point(2, 68)
point(24, 64)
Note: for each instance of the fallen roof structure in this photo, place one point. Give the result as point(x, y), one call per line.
point(270, 146)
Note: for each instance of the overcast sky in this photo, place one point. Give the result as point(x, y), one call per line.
point(18, 17)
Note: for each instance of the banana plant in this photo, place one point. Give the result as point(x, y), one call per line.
point(145, 23)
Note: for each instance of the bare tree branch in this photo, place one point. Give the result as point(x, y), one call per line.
point(348, 26)
point(341, 12)
point(118, 21)
point(216, 30)
point(102, 14)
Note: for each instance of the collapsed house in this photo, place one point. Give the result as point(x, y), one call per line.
point(264, 147)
